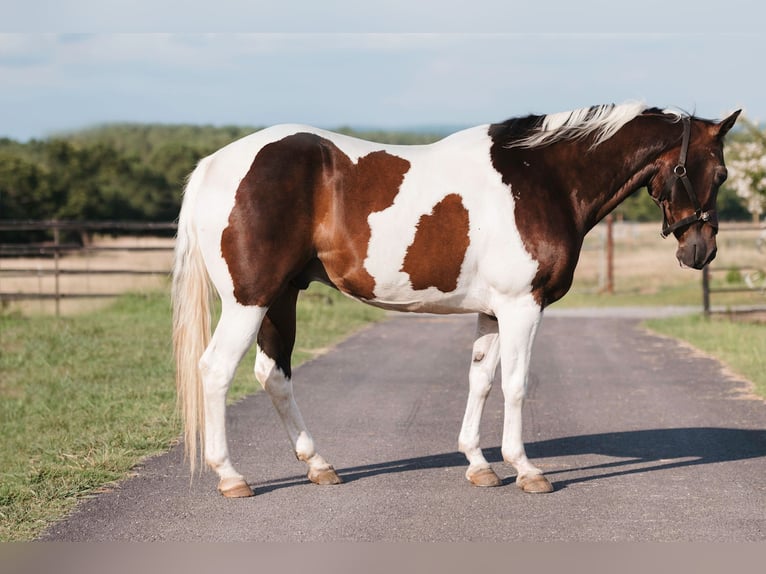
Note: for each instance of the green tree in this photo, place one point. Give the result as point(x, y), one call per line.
point(24, 189)
point(639, 206)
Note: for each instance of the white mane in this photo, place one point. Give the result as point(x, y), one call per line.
point(603, 121)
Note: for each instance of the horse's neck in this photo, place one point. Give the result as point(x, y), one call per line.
point(606, 175)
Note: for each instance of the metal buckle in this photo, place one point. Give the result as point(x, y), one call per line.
point(680, 170)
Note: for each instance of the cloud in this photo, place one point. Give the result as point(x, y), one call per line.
point(54, 81)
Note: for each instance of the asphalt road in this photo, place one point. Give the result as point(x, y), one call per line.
point(642, 439)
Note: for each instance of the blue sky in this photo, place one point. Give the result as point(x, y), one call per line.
point(75, 63)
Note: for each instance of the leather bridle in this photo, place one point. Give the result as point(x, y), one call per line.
point(679, 173)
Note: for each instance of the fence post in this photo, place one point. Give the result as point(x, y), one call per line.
point(56, 244)
point(610, 254)
point(706, 290)
point(606, 273)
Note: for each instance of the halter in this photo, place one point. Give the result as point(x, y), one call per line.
point(680, 174)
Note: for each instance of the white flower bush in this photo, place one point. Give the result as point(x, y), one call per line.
point(746, 162)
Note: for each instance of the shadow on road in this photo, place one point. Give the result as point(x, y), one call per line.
point(653, 450)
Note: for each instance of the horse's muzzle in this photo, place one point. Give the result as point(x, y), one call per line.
point(696, 252)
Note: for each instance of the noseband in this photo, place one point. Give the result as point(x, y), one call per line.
point(679, 173)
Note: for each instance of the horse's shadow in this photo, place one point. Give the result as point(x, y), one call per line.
point(653, 450)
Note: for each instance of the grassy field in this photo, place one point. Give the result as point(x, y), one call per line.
point(740, 345)
point(85, 398)
point(646, 272)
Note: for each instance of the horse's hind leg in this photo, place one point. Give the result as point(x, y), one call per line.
point(272, 369)
point(233, 336)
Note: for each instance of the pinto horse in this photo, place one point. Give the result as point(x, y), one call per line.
point(489, 220)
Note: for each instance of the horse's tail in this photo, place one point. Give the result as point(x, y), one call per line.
point(191, 295)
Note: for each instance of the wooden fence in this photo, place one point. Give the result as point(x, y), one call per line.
point(16, 257)
point(753, 272)
point(16, 260)
point(757, 284)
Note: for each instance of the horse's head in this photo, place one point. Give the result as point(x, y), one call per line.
point(685, 186)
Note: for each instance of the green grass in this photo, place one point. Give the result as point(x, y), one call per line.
point(683, 295)
point(687, 294)
point(741, 346)
point(84, 399)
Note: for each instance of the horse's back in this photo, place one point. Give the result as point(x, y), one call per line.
point(277, 152)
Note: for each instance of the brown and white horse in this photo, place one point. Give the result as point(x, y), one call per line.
point(489, 220)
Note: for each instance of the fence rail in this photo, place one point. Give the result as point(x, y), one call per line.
point(750, 269)
point(72, 225)
point(54, 250)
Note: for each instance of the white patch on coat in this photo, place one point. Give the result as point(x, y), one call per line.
point(496, 259)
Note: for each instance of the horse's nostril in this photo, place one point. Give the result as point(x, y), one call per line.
point(713, 253)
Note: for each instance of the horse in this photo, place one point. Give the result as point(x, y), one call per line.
point(489, 220)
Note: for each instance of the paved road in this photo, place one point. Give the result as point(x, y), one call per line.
point(642, 439)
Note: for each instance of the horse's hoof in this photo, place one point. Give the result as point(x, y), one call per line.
point(535, 483)
point(484, 477)
point(324, 476)
point(234, 488)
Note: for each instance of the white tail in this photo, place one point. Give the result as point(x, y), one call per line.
point(191, 295)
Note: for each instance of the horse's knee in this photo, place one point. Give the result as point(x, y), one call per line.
point(514, 391)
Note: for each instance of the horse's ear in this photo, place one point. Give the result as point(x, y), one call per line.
point(723, 127)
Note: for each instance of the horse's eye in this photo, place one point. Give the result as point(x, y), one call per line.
point(720, 175)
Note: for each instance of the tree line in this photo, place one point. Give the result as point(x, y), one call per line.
point(136, 172)
point(118, 172)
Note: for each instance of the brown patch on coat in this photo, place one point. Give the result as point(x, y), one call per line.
point(300, 214)
point(277, 335)
point(353, 192)
point(269, 233)
point(436, 254)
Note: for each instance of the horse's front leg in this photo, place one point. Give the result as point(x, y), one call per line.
point(518, 323)
point(483, 365)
